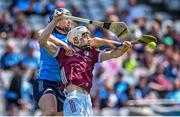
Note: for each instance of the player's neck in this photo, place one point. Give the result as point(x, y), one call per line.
point(84, 48)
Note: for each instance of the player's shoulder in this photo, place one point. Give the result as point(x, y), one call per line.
point(60, 53)
point(94, 51)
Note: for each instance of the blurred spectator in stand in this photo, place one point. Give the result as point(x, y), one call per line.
point(33, 44)
point(107, 95)
point(112, 99)
point(61, 3)
point(21, 30)
point(171, 69)
point(142, 88)
point(10, 58)
point(36, 7)
point(125, 17)
point(29, 60)
point(100, 88)
point(13, 94)
point(130, 63)
point(6, 28)
point(120, 88)
point(111, 10)
point(19, 94)
point(174, 94)
point(131, 93)
point(32, 41)
point(103, 96)
point(155, 73)
point(76, 11)
point(155, 29)
point(138, 27)
point(50, 6)
point(171, 38)
point(97, 84)
point(159, 82)
point(26, 93)
point(146, 63)
point(141, 23)
point(19, 6)
point(134, 12)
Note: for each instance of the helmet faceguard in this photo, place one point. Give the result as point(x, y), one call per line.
point(76, 35)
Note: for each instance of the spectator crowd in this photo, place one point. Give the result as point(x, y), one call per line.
point(141, 73)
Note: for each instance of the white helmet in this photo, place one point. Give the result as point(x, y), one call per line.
point(75, 35)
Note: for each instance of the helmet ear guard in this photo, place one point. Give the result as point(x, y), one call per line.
point(76, 41)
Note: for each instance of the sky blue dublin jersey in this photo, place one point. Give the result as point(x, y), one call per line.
point(49, 66)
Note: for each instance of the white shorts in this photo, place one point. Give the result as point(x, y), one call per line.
point(77, 104)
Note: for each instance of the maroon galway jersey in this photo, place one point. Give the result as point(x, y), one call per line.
point(78, 68)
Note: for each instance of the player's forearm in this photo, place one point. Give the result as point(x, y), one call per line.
point(114, 53)
point(46, 32)
point(57, 42)
point(119, 52)
point(99, 42)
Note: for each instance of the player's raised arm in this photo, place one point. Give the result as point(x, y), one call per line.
point(115, 53)
point(52, 44)
point(47, 45)
point(49, 42)
point(97, 42)
point(69, 50)
point(44, 34)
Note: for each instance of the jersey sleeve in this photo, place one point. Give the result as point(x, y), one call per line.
point(57, 52)
point(60, 53)
point(96, 55)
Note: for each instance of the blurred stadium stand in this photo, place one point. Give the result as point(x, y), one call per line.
point(141, 82)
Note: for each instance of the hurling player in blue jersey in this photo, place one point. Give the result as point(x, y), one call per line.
point(46, 91)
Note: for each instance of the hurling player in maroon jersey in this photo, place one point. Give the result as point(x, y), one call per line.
point(76, 70)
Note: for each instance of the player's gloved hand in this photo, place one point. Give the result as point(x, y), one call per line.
point(58, 15)
point(127, 44)
point(69, 51)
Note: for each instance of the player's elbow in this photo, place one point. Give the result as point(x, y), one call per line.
point(41, 40)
